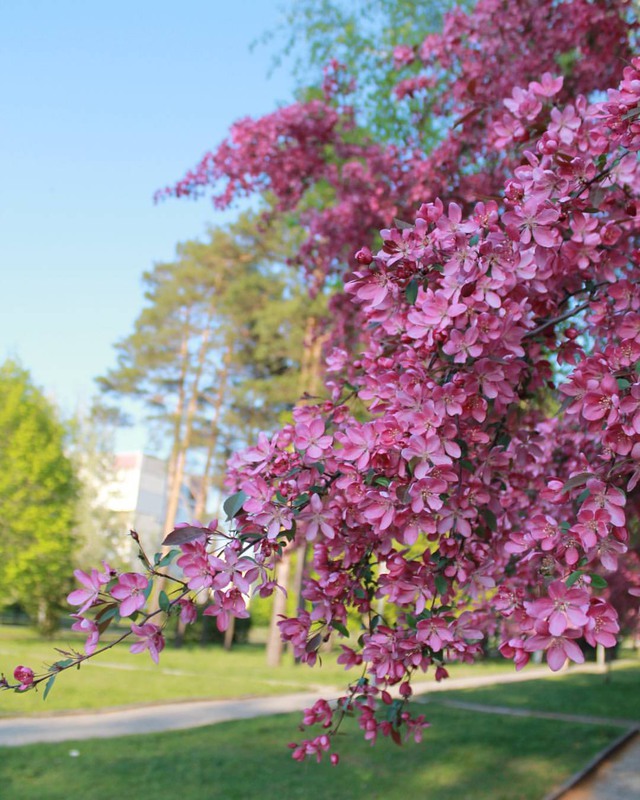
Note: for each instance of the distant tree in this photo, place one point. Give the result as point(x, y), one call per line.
point(98, 529)
point(361, 35)
point(37, 500)
point(216, 352)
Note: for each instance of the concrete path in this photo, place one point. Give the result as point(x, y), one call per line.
point(16, 731)
point(615, 778)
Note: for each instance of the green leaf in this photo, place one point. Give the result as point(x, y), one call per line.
point(490, 518)
point(164, 602)
point(48, 686)
point(582, 496)
point(598, 582)
point(576, 575)
point(442, 584)
point(411, 292)
point(168, 558)
point(635, 112)
point(301, 500)
point(233, 505)
point(338, 626)
point(623, 383)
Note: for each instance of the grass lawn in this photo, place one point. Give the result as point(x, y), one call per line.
point(118, 678)
point(613, 695)
point(464, 756)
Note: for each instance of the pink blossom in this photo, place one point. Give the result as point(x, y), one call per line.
point(90, 628)
point(130, 590)
point(24, 675)
point(558, 648)
point(93, 582)
point(562, 608)
point(150, 638)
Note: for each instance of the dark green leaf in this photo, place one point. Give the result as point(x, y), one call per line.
point(338, 626)
point(48, 686)
point(490, 518)
point(598, 582)
point(573, 578)
point(164, 602)
point(442, 585)
point(411, 292)
point(233, 505)
point(582, 496)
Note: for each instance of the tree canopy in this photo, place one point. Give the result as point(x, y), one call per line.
point(37, 499)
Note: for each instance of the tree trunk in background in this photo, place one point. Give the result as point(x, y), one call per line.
point(203, 489)
point(275, 645)
point(228, 634)
point(181, 450)
point(309, 385)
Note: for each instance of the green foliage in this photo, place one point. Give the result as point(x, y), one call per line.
point(360, 34)
point(37, 500)
point(215, 355)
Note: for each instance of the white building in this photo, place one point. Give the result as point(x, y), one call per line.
point(138, 495)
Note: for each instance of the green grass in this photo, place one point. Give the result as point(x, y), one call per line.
point(612, 695)
point(464, 755)
point(118, 678)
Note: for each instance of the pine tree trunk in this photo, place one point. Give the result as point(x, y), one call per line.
point(309, 385)
point(274, 642)
point(201, 497)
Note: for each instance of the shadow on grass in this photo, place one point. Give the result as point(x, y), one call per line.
point(611, 695)
point(464, 755)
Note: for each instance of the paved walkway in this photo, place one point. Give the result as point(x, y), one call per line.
point(16, 731)
point(615, 778)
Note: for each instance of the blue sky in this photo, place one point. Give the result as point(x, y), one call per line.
point(102, 103)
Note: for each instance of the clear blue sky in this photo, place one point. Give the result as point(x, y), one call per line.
point(101, 103)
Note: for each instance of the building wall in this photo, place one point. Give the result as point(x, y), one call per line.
point(139, 493)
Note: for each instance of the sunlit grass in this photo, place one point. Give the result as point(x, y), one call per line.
point(119, 678)
point(614, 694)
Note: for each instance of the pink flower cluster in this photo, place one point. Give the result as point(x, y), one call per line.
point(473, 471)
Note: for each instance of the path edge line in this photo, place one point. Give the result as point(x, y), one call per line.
point(594, 763)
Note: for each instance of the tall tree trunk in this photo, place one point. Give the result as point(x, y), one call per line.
point(310, 375)
point(229, 633)
point(180, 404)
point(175, 486)
point(274, 642)
point(203, 488)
